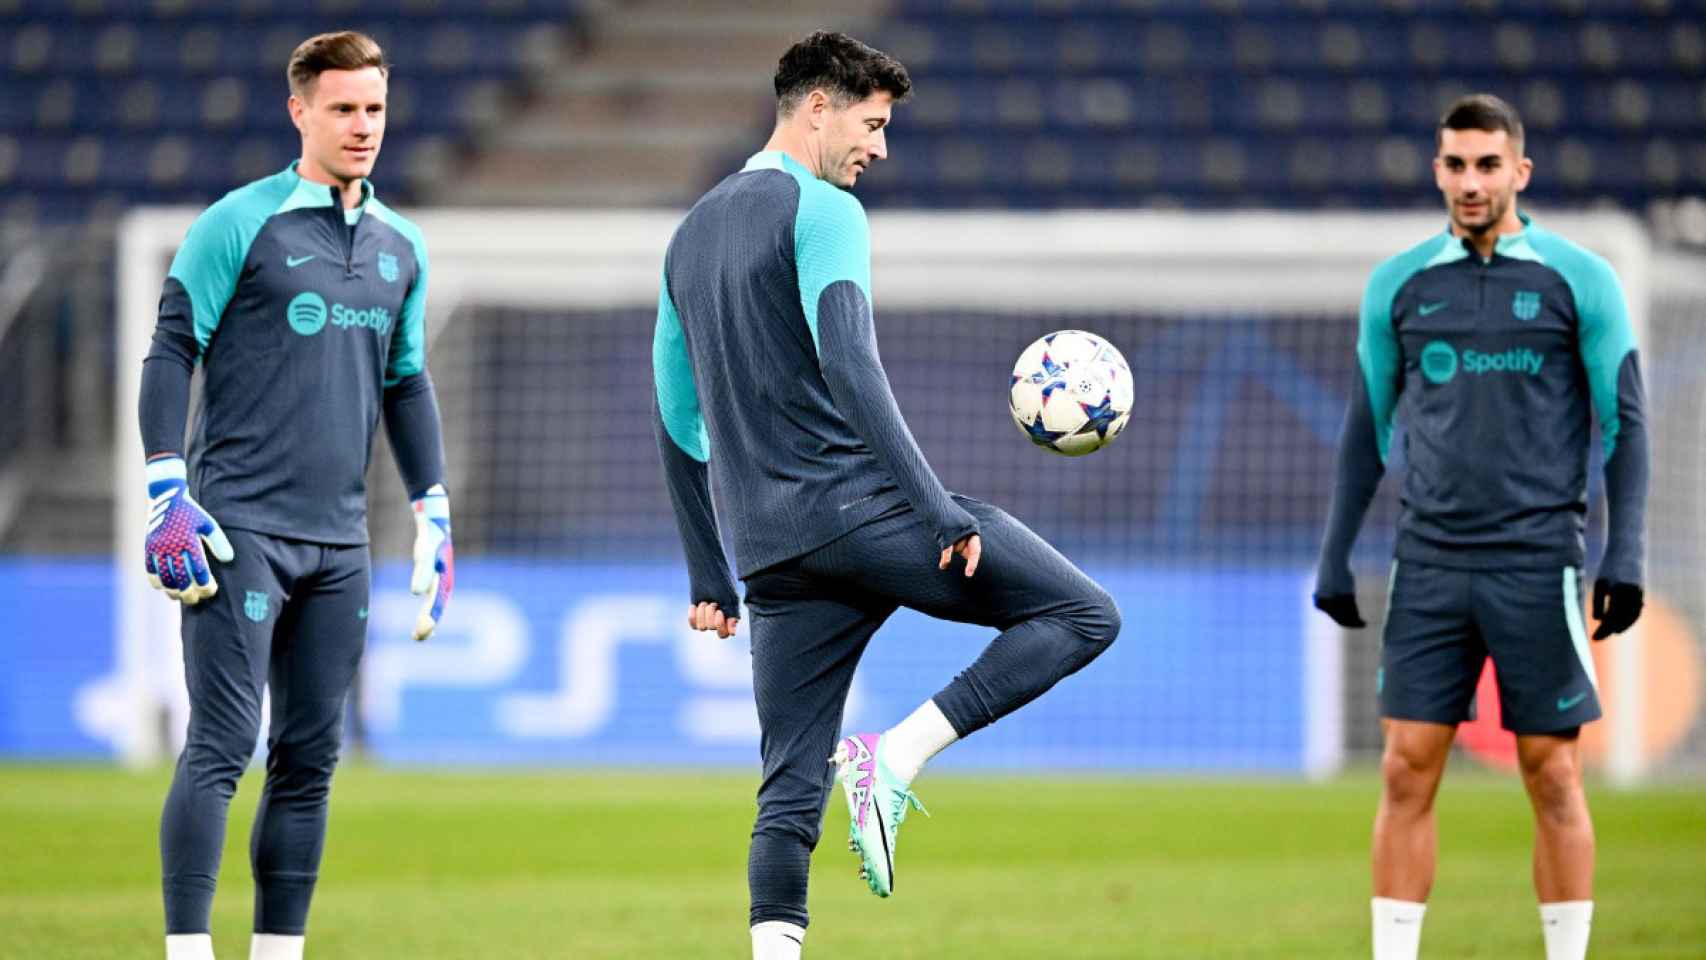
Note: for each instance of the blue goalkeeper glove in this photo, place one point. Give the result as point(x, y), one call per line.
point(435, 561)
point(177, 525)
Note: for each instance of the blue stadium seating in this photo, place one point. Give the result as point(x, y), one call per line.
point(1032, 105)
point(1020, 103)
point(108, 104)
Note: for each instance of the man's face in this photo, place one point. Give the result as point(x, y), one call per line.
point(1480, 173)
point(853, 138)
point(342, 119)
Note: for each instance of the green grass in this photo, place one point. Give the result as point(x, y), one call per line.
point(521, 865)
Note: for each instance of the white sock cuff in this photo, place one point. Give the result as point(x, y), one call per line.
point(189, 946)
point(275, 946)
point(1404, 909)
point(910, 744)
point(777, 940)
point(1564, 909)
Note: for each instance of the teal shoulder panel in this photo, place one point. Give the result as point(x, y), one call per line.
point(211, 257)
point(1604, 334)
point(832, 242)
point(1377, 341)
point(408, 346)
point(672, 376)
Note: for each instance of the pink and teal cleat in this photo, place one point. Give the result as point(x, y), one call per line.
point(877, 803)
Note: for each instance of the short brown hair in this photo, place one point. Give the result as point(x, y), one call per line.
point(344, 50)
point(1481, 111)
point(849, 71)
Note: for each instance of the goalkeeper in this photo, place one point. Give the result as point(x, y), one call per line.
point(1499, 339)
point(303, 297)
point(767, 376)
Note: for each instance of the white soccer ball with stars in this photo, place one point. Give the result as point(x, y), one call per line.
point(1071, 392)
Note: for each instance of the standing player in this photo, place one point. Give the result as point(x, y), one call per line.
point(304, 298)
point(1497, 336)
point(767, 375)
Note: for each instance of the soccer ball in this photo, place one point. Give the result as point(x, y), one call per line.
point(1071, 392)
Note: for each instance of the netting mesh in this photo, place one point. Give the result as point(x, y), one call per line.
point(1227, 461)
point(1674, 361)
point(1216, 492)
point(1223, 473)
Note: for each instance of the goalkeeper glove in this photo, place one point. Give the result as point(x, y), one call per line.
point(435, 567)
point(1616, 606)
point(177, 525)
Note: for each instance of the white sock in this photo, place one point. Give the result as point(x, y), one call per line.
point(1565, 926)
point(777, 940)
point(275, 946)
point(189, 946)
point(1397, 928)
point(911, 742)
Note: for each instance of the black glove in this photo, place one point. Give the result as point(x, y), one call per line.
point(1342, 607)
point(1616, 606)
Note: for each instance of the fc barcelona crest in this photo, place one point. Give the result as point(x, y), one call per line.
point(255, 605)
point(1526, 304)
point(388, 267)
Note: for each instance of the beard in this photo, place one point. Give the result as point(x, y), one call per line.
point(1496, 207)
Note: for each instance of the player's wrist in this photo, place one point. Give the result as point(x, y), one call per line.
point(434, 504)
point(164, 471)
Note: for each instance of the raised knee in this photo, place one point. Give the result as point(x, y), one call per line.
point(1100, 620)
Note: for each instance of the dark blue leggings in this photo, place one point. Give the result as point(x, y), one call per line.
point(291, 616)
point(811, 618)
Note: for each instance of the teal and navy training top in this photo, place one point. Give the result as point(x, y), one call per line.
point(767, 378)
point(309, 321)
point(1496, 367)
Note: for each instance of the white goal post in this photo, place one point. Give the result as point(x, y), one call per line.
point(1054, 263)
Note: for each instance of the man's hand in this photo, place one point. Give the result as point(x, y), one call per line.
point(709, 616)
point(969, 547)
point(1342, 607)
point(177, 526)
point(1616, 606)
point(435, 560)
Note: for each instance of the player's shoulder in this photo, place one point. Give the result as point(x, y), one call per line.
point(1390, 274)
point(831, 216)
point(246, 208)
point(397, 221)
point(830, 201)
point(1401, 266)
point(1580, 267)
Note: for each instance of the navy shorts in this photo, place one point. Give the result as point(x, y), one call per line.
point(1443, 623)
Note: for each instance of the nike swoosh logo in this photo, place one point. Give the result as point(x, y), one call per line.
point(1564, 704)
point(294, 262)
point(1429, 309)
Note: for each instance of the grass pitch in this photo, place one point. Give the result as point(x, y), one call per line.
point(591, 865)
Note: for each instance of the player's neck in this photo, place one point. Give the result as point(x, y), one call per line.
point(795, 148)
point(348, 190)
point(1487, 241)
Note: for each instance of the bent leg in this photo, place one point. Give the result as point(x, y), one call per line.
point(1053, 619)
